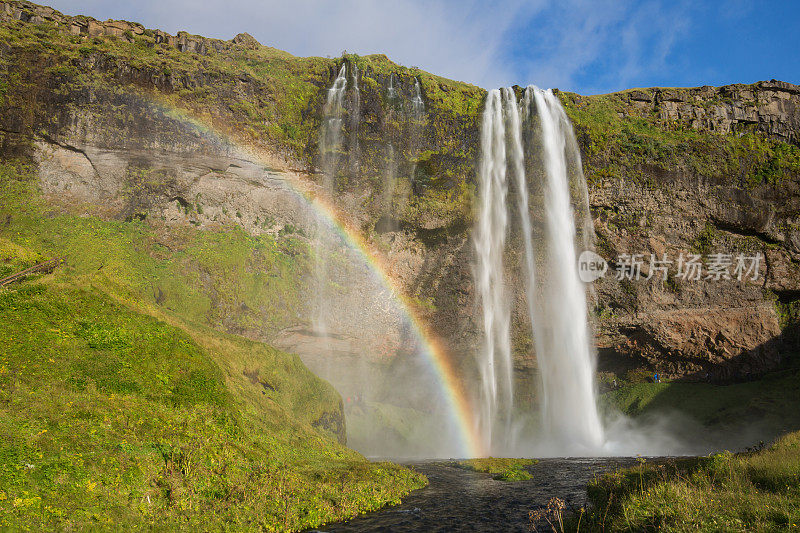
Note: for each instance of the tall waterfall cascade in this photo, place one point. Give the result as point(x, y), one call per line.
point(535, 144)
point(496, 401)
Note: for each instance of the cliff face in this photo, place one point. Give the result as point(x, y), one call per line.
point(670, 171)
point(769, 107)
point(697, 171)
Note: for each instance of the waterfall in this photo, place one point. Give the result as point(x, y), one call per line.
point(417, 120)
point(417, 105)
point(331, 131)
point(518, 167)
point(361, 338)
point(355, 119)
point(390, 185)
point(561, 327)
point(330, 146)
point(556, 299)
point(391, 92)
point(496, 392)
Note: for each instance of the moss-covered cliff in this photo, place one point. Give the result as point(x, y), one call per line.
point(703, 171)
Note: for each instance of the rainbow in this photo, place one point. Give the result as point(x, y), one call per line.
point(437, 356)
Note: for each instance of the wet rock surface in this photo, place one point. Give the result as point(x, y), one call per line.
point(462, 500)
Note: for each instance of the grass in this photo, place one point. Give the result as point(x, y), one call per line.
point(769, 403)
point(756, 491)
point(111, 418)
point(122, 406)
point(14, 258)
point(753, 491)
point(502, 469)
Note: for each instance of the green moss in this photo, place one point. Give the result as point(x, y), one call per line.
point(772, 161)
point(788, 312)
point(621, 142)
point(502, 469)
point(703, 244)
point(14, 258)
point(452, 206)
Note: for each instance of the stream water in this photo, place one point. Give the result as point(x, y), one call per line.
point(461, 500)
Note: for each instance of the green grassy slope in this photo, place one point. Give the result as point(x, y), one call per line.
point(117, 413)
point(757, 491)
point(221, 277)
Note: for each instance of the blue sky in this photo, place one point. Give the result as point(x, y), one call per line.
point(578, 45)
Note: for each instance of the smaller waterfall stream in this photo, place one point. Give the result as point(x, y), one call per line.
point(417, 105)
point(361, 338)
point(389, 183)
point(417, 122)
point(330, 146)
point(355, 120)
point(391, 92)
point(331, 131)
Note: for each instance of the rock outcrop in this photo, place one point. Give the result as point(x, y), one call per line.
point(770, 107)
point(87, 26)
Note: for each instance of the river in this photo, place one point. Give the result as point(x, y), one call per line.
point(461, 500)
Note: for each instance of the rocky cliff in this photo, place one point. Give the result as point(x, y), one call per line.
point(143, 125)
point(696, 171)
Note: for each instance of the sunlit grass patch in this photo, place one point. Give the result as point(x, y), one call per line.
point(756, 491)
point(503, 469)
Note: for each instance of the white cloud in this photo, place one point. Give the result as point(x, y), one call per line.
point(491, 44)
